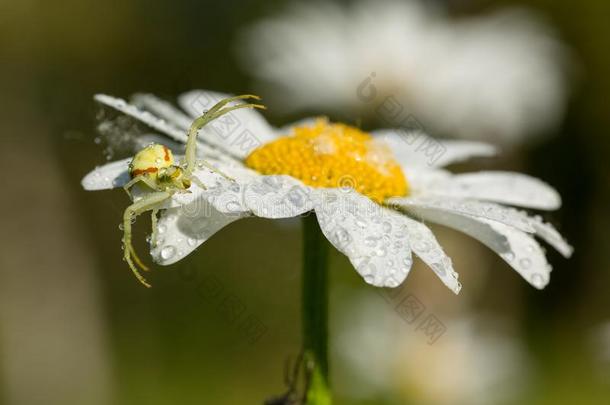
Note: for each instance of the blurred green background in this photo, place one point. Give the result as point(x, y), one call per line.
point(76, 328)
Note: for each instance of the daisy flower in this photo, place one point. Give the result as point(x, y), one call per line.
point(372, 193)
point(501, 75)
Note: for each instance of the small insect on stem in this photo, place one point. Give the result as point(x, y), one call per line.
point(291, 381)
point(154, 170)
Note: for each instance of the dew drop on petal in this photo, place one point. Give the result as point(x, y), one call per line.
point(161, 229)
point(370, 241)
point(168, 252)
point(525, 263)
point(387, 227)
point(191, 241)
point(537, 280)
point(392, 282)
point(361, 223)
point(382, 251)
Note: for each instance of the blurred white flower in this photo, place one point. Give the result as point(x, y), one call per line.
point(499, 77)
point(471, 363)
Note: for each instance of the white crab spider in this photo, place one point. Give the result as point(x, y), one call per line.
point(153, 168)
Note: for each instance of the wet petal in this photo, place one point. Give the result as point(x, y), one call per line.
point(111, 175)
point(416, 149)
point(143, 116)
point(181, 230)
point(426, 247)
point(502, 187)
point(434, 206)
point(162, 109)
point(278, 197)
point(371, 236)
point(517, 248)
point(551, 236)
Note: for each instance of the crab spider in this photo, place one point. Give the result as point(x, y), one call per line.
point(153, 168)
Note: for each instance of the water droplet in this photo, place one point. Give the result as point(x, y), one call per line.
point(342, 236)
point(191, 241)
point(161, 229)
point(392, 282)
point(382, 251)
point(422, 246)
point(538, 280)
point(370, 241)
point(361, 223)
point(525, 263)
point(168, 252)
point(387, 227)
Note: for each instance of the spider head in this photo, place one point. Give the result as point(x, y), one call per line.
point(174, 176)
point(150, 160)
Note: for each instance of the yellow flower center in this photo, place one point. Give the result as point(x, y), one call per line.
point(328, 155)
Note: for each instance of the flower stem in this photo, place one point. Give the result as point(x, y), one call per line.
point(315, 310)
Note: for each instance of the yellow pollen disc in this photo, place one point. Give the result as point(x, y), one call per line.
point(329, 155)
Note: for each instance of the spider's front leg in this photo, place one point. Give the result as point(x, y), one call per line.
point(141, 178)
point(216, 111)
point(211, 167)
point(148, 202)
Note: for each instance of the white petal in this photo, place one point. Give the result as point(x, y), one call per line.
point(144, 140)
point(181, 230)
point(503, 187)
point(238, 133)
point(374, 238)
point(278, 197)
point(111, 175)
point(518, 249)
point(288, 129)
point(144, 116)
point(426, 247)
point(415, 149)
point(162, 109)
point(551, 236)
point(434, 206)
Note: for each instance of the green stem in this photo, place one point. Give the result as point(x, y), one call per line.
point(315, 310)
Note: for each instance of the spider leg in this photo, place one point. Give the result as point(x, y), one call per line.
point(215, 112)
point(153, 221)
point(226, 101)
point(214, 169)
point(147, 202)
point(138, 261)
point(309, 368)
point(141, 178)
point(199, 183)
